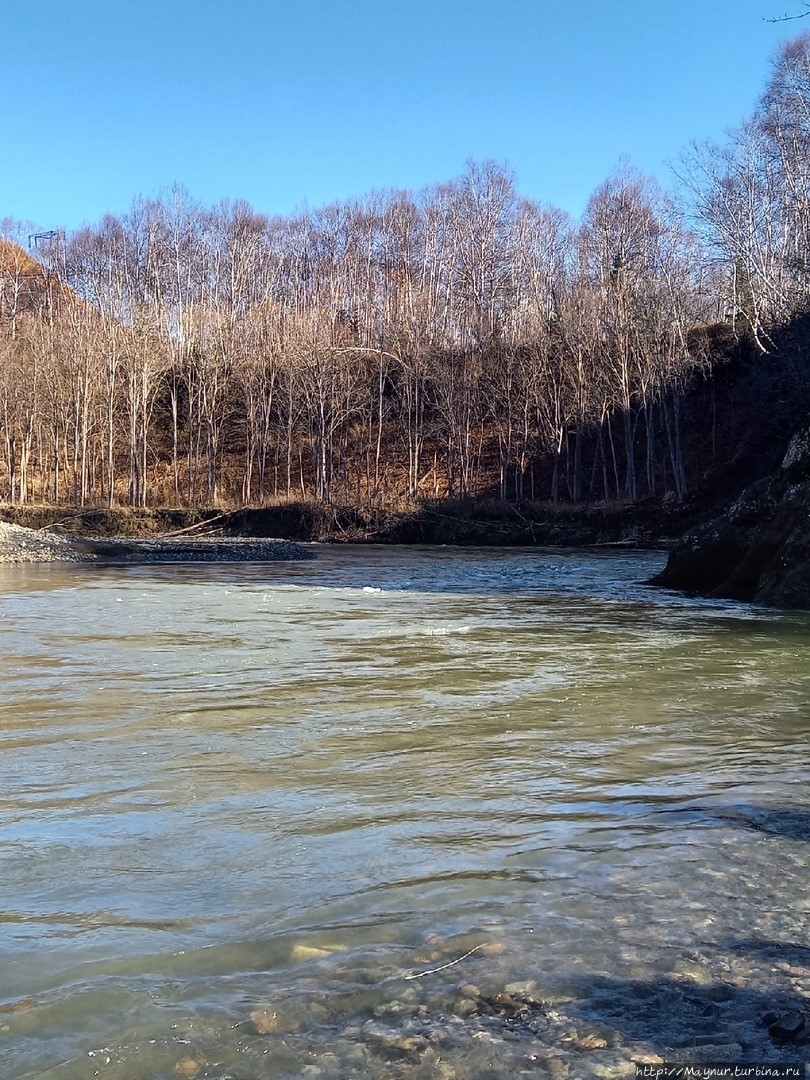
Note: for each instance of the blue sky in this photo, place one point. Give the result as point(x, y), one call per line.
point(293, 102)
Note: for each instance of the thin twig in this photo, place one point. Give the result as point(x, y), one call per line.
point(432, 971)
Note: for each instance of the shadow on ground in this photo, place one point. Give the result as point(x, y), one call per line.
point(682, 1020)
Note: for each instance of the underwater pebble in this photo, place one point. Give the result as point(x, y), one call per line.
point(312, 952)
point(695, 972)
point(354, 1053)
point(465, 1007)
point(269, 1021)
point(445, 1071)
point(492, 948)
point(787, 1026)
point(187, 1068)
point(589, 1042)
point(711, 1052)
point(624, 1069)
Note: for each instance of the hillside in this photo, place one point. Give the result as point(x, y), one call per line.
point(460, 361)
point(25, 285)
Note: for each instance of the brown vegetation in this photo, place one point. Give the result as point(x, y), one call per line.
point(459, 342)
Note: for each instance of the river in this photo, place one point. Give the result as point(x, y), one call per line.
point(396, 812)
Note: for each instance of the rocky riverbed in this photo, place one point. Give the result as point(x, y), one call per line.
point(470, 1019)
point(22, 545)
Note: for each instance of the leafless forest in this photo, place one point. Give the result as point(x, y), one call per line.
point(458, 341)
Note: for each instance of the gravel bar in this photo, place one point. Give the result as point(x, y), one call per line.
point(21, 545)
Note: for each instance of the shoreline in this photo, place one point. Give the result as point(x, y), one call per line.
point(474, 522)
point(23, 545)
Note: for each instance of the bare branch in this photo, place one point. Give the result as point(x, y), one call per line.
point(790, 18)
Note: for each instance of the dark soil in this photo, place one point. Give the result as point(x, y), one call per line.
point(467, 522)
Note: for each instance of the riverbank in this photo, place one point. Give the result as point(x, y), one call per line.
point(19, 544)
point(758, 549)
point(484, 522)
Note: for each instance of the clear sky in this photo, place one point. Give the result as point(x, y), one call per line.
point(287, 102)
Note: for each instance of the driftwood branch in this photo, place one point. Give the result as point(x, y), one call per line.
point(200, 526)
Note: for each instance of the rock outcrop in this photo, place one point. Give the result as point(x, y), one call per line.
point(759, 549)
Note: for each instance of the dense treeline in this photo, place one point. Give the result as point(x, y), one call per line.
point(451, 342)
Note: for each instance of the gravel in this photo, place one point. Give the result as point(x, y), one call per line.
point(18, 544)
point(21, 545)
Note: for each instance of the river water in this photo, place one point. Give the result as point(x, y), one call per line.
point(396, 812)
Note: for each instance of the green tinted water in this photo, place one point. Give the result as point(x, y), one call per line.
point(240, 805)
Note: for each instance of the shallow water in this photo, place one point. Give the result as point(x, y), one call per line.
point(241, 806)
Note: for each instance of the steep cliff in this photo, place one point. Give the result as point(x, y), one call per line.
point(758, 549)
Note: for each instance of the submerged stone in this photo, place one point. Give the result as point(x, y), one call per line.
point(188, 1068)
point(270, 1021)
point(313, 952)
point(788, 1026)
point(708, 1053)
